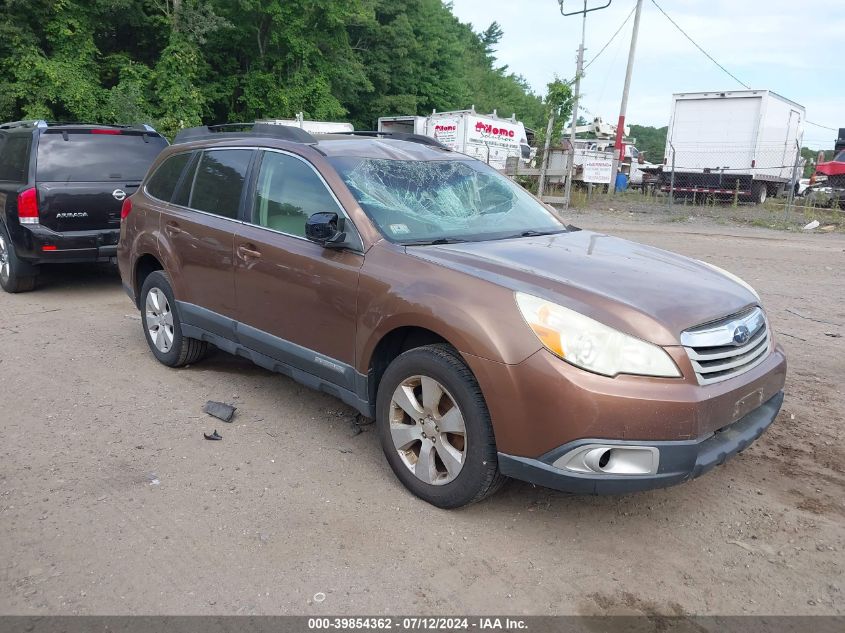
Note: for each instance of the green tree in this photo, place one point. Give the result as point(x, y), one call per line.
point(558, 103)
point(177, 63)
point(651, 140)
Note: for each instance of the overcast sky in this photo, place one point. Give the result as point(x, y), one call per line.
point(780, 45)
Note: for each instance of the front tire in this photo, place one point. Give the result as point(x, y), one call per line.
point(435, 429)
point(13, 271)
point(162, 326)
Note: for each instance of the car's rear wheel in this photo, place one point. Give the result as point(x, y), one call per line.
point(435, 429)
point(162, 327)
point(13, 272)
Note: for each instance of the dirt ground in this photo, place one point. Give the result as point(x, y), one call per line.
point(111, 501)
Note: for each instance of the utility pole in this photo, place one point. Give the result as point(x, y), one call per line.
point(567, 193)
point(620, 126)
point(541, 186)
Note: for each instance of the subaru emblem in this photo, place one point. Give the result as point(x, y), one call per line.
point(741, 335)
point(119, 194)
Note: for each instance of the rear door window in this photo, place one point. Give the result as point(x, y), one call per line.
point(83, 156)
point(219, 181)
point(14, 159)
point(163, 182)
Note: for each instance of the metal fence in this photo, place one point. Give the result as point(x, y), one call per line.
point(714, 175)
point(730, 172)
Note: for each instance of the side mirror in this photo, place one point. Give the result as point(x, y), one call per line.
point(322, 229)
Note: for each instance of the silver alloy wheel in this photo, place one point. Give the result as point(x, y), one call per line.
point(4, 259)
point(428, 430)
point(159, 320)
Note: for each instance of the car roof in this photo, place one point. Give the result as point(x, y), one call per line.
point(379, 148)
point(360, 144)
point(41, 125)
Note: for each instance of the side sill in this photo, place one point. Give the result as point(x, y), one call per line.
point(311, 381)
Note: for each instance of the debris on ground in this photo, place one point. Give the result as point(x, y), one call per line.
point(212, 436)
point(358, 422)
point(219, 410)
point(812, 225)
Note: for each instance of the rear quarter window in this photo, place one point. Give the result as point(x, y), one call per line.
point(80, 156)
point(14, 158)
point(163, 182)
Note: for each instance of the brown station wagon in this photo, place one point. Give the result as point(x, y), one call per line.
point(421, 287)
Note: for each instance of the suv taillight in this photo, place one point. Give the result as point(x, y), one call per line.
point(126, 209)
point(28, 206)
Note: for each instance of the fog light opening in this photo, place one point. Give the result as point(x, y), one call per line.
point(611, 460)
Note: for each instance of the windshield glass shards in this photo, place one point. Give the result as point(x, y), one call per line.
point(443, 201)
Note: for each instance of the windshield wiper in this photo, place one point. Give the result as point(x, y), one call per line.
point(538, 233)
point(436, 241)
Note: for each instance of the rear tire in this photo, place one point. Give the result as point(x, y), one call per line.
point(162, 325)
point(445, 453)
point(15, 275)
point(759, 192)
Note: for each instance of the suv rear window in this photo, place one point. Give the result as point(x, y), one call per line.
point(14, 159)
point(87, 157)
point(163, 182)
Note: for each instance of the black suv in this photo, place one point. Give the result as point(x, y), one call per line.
point(62, 186)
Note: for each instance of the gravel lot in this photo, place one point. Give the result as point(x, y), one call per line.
point(111, 502)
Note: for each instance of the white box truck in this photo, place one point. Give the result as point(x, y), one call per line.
point(486, 137)
point(740, 142)
point(313, 127)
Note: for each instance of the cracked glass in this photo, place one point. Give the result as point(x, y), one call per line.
point(442, 200)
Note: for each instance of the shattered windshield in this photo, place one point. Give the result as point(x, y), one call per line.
point(443, 200)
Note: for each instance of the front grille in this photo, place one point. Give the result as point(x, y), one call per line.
point(728, 347)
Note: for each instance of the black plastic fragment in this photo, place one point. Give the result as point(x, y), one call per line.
point(212, 436)
point(219, 410)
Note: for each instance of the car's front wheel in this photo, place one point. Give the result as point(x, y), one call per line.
point(435, 429)
point(162, 328)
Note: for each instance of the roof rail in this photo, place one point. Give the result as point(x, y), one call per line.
point(41, 123)
point(30, 123)
point(400, 136)
point(239, 130)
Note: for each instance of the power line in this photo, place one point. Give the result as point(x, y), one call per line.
point(824, 127)
point(612, 37)
point(710, 57)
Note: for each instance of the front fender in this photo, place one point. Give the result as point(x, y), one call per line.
point(476, 316)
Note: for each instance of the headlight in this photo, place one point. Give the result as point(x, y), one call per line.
point(732, 277)
point(590, 345)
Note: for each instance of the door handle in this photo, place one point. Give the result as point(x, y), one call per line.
point(245, 252)
point(171, 228)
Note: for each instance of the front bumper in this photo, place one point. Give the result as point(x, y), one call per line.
point(679, 461)
point(66, 247)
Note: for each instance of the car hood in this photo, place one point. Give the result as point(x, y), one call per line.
point(644, 291)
